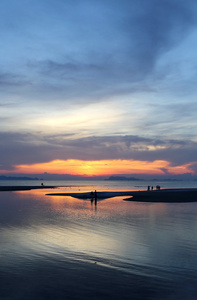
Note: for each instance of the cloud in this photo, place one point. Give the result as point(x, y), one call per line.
point(59, 56)
point(157, 27)
point(193, 167)
point(91, 50)
point(18, 148)
point(9, 80)
point(27, 148)
point(165, 171)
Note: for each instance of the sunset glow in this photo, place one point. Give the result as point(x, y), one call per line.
point(102, 168)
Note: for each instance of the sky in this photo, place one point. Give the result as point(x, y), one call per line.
point(98, 88)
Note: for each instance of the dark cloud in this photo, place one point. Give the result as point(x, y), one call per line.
point(194, 167)
point(18, 148)
point(8, 80)
point(156, 27)
point(143, 30)
point(165, 171)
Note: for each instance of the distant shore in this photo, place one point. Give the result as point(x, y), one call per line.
point(24, 188)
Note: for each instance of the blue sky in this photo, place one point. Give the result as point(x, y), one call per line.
point(98, 80)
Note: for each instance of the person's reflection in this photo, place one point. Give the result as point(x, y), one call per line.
point(95, 201)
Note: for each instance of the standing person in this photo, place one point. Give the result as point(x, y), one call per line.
point(95, 197)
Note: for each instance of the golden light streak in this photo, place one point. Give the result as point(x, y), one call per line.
point(102, 168)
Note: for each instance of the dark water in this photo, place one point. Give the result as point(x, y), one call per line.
point(65, 248)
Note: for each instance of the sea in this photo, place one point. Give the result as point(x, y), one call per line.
point(61, 247)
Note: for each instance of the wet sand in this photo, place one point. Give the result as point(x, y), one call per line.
point(164, 195)
point(89, 195)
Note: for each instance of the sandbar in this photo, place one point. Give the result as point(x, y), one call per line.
point(89, 195)
point(163, 195)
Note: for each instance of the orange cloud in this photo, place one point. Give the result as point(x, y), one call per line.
point(102, 168)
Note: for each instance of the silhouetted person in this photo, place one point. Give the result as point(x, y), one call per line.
point(95, 194)
point(148, 188)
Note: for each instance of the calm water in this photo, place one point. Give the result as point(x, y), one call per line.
point(66, 248)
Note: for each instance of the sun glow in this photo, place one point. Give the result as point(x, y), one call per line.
point(102, 167)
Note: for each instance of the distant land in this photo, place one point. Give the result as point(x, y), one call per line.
point(2, 177)
point(167, 179)
point(123, 178)
point(65, 177)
